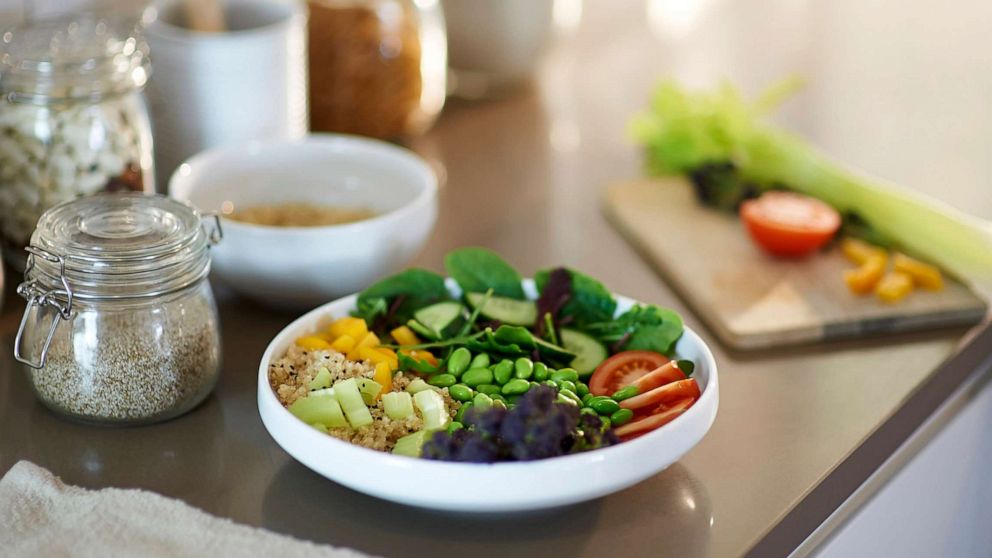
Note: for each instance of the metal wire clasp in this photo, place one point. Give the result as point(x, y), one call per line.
point(38, 297)
point(215, 234)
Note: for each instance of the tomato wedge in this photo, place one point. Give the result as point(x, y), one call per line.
point(657, 420)
point(789, 224)
point(664, 394)
point(622, 369)
point(665, 374)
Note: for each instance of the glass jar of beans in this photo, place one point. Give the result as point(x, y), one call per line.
point(120, 325)
point(73, 120)
point(377, 67)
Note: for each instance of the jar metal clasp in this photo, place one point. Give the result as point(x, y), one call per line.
point(37, 296)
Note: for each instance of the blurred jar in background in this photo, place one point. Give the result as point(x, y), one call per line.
point(377, 67)
point(495, 45)
point(73, 119)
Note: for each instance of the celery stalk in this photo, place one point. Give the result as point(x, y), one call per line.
point(685, 131)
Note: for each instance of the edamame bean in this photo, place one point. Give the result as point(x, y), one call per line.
point(460, 413)
point(625, 393)
point(540, 371)
point(571, 395)
point(583, 389)
point(586, 410)
point(567, 384)
point(550, 383)
point(605, 406)
point(458, 361)
point(586, 398)
point(481, 360)
point(488, 389)
point(503, 371)
point(474, 377)
point(442, 380)
point(523, 368)
point(515, 386)
point(497, 397)
point(565, 374)
point(461, 392)
point(622, 416)
point(455, 426)
point(497, 404)
point(562, 399)
point(482, 401)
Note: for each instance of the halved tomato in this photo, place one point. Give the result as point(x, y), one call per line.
point(657, 420)
point(789, 224)
point(622, 369)
point(664, 374)
point(664, 394)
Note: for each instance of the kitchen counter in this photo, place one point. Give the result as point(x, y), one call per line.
point(901, 91)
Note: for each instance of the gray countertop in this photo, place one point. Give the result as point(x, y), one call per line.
point(899, 90)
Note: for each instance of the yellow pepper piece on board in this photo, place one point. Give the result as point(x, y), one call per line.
point(863, 279)
point(384, 377)
point(405, 336)
point(858, 251)
point(368, 340)
point(350, 326)
point(894, 286)
point(924, 275)
point(343, 344)
point(313, 343)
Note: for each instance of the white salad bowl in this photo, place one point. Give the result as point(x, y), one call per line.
point(301, 267)
point(522, 486)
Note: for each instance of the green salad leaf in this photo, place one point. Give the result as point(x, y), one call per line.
point(642, 328)
point(589, 301)
point(411, 289)
point(477, 270)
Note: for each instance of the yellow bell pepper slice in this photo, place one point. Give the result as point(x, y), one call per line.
point(924, 275)
point(350, 326)
point(420, 355)
point(894, 286)
point(313, 343)
point(858, 251)
point(344, 344)
point(405, 336)
point(863, 279)
point(368, 340)
point(384, 377)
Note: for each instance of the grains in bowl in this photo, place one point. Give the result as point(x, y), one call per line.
point(290, 377)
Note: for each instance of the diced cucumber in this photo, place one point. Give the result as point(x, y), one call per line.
point(442, 318)
point(326, 392)
point(421, 330)
point(397, 404)
point(320, 427)
point(319, 410)
point(507, 310)
point(411, 444)
point(589, 353)
point(431, 406)
point(321, 380)
point(418, 385)
point(369, 389)
point(347, 394)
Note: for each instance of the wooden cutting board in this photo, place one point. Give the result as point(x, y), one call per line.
point(751, 300)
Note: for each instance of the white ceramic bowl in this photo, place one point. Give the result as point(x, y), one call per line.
point(304, 266)
point(469, 487)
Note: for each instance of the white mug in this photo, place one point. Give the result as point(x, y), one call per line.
point(245, 83)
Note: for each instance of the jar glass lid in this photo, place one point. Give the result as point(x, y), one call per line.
point(89, 55)
point(120, 245)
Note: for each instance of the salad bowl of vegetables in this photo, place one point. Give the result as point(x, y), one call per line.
point(486, 392)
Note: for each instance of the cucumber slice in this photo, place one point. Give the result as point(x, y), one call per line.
point(552, 352)
point(411, 444)
point(397, 404)
point(507, 310)
point(326, 392)
point(369, 389)
point(417, 386)
point(347, 394)
point(431, 406)
point(442, 318)
point(421, 330)
point(321, 380)
point(319, 410)
point(589, 353)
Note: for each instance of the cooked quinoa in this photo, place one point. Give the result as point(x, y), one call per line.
point(290, 377)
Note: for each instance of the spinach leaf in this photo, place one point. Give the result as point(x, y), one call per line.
point(477, 270)
point(646, 328)
point(590, 301)
point(394, 299)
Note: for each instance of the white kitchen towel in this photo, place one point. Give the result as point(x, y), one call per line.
point(42, 516)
